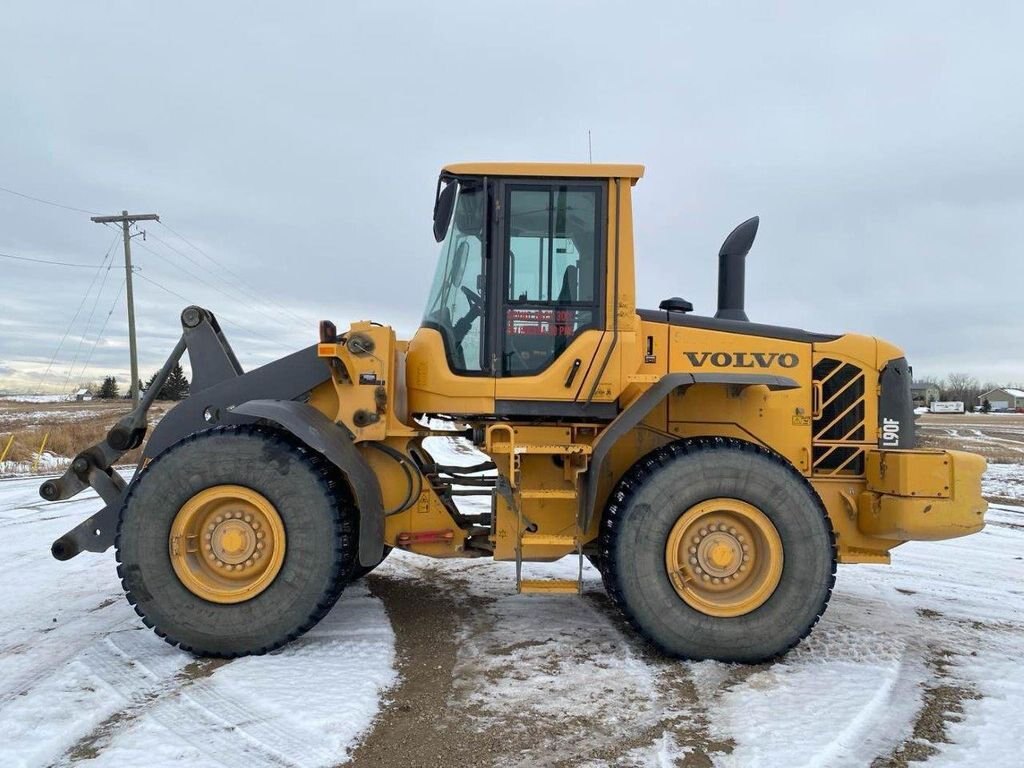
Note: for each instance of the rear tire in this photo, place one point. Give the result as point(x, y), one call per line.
point(653, 524)
point(296, 486)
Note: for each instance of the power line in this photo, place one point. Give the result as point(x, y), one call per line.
point(227, 269)
point(220, 315)
point(88, 323)
point(78, 311)
point(45, 202)
point(247, 303)
point(103, 327)
point(203, 267)
point(43, 261)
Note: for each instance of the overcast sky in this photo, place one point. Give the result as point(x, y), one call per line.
point(298, 146)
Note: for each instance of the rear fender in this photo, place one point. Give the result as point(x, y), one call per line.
point(332, 441)
point(644, 404)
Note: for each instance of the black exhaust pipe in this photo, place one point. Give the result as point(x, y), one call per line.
point(732, 268)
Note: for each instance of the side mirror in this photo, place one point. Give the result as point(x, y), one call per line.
point(443, 207)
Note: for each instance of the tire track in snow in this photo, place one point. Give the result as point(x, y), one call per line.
point(54, 651)
point(94, 684)
point(257, 712)
point(139, 671)
point(942, 703)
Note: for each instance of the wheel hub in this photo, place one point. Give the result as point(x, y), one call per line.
point(227, 544)
point(724, 557)
point(719, 554)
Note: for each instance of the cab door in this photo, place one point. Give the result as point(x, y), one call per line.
point(548, 321)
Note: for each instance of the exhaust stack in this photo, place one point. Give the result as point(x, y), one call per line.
point(732, 268)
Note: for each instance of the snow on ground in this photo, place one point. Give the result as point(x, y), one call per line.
point(83, 681)
point(1005, 481)
point(918, 660)
point(29, 418)
point(37, 398)
point(44, 463)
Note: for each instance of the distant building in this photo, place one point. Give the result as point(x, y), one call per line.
point(923, 394)
point(83, 394)
point(1003, 399)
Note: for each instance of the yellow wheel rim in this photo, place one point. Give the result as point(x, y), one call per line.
point(724, 557)
point(227, 544)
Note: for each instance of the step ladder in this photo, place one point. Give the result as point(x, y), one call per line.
point(526, 531)
point(548, 586)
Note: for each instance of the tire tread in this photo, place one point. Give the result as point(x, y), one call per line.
point(344, 522)
point(641, 471)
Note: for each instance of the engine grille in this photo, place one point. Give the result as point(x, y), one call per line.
point(838, 427)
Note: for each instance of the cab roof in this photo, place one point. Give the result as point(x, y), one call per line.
point(562, 170)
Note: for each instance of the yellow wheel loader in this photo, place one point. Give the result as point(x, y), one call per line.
point(715, 470)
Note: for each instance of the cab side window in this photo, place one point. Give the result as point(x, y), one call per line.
point(552, 271)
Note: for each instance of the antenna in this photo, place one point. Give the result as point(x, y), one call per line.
point(590, 148)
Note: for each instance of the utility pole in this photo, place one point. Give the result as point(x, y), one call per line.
point(126, 220)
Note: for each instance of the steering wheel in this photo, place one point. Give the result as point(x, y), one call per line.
point(476, 304)
point(476, 309)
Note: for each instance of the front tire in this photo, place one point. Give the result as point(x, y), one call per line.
point(718, 549)
point(235, 541)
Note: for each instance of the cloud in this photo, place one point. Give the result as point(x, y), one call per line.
point(298, 149)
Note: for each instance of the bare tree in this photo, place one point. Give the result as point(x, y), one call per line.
point(963, 387)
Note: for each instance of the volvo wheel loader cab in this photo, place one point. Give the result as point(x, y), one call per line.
point(714, 469)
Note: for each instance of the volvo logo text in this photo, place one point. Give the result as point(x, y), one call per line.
point(743, 359)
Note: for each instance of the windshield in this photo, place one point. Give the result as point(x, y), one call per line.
point(455, 305)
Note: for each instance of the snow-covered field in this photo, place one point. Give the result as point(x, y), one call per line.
point(439, 663)
point(37, 398)
point(26, 419)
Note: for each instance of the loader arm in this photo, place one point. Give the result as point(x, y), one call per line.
point(219, 384)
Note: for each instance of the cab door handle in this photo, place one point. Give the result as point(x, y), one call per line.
point(572, 372)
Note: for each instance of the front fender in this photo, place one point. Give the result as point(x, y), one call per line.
point(332, 441)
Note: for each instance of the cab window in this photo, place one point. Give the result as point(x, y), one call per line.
point(552, 271)
point(456, 303)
